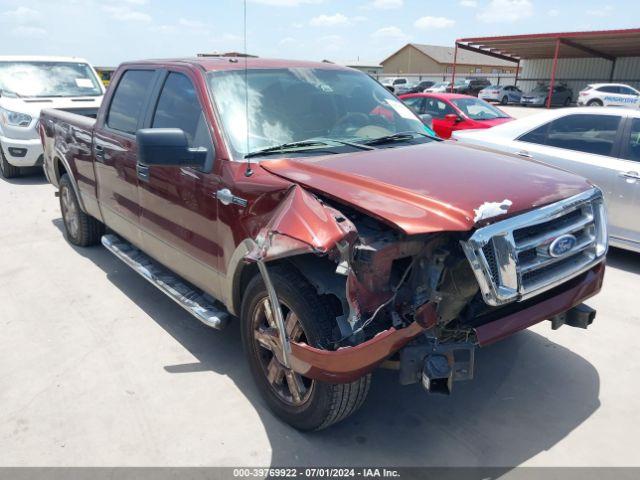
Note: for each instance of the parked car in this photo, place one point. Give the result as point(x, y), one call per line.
point(28, 84)
point(471, 86)
point(440, 87)
point(537, 97)
point(602, 144)
point(421, 86)
point(404, 88)
point(393, 81)
point(451, 112)
point(504, 94)
point(609, 95)
point(321, 217)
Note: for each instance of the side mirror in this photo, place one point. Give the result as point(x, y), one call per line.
point(452, 118)
point(168, 147)
point(427, 120)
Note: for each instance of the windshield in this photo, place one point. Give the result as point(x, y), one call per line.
point(477, 109)
point(290, 105)
point(48, 79)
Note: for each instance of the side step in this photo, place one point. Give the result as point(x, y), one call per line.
point(199, 304)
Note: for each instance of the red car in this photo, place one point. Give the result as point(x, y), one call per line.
point(452, 111)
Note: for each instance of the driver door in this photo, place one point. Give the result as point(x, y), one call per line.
point(178, 212)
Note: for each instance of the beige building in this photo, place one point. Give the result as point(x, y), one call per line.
point(418, 58)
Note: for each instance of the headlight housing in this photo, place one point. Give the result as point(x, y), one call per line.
point(15, 119)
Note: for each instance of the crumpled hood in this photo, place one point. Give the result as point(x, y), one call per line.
point(433, 187)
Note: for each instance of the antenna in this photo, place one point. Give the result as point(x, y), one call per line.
point(248, 172)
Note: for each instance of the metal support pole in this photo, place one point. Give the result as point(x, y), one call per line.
point(453, 72)
point(517, 73)
point(613, 69)
point(553, 72)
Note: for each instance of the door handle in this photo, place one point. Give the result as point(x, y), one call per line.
point(525, 154)
point(630, 175)
point(225, 197)
point(143, 172)
point(99, 153)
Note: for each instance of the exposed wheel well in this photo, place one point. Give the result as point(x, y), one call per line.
point(59, 168)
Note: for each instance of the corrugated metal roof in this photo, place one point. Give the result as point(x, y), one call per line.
point(601, 43)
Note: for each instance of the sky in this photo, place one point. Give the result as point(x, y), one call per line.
point(108, 32)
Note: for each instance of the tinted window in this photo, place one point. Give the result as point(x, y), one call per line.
point(628, 91)
point(179, 107)
point(609, 89)
point(584, 133)
point(437, 108)
point(634, 141)
point(128, 100)
point(414, 104)
point(539, 135)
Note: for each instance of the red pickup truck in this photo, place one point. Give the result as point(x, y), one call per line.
point(308, 203)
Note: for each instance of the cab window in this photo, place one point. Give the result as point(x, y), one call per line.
point(437, 108)
point(178, 107)
point(128, 100)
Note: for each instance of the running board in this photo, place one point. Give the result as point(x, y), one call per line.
point(199, 304)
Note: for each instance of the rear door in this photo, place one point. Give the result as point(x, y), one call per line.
point(178, 209)
point(628, 185)
point(586, 144)
point(115, 151)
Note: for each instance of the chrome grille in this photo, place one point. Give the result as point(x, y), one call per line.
point(516, 258)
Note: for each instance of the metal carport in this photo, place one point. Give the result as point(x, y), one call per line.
point(606, 44)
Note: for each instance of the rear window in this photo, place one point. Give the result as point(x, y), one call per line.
point(128, 100)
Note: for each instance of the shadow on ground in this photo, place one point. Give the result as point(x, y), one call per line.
point(528, 394)
point(624, 260)
point(32, 176)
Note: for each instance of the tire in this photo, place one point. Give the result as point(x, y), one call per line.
point(567, 101)
point(595, 103)
point(80, 229)
point(504, 100)
point(6, 169)
point(319, 404)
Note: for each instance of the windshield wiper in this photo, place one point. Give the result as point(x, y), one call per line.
point(396, 137)
point(304, 145)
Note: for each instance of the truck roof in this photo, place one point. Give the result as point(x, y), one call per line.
point(237, 63)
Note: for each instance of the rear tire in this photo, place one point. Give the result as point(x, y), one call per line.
point(595, 103)
point(80, 229)
point(310, 404)
point(567, 101)
point(504, 100)
point(6, 169)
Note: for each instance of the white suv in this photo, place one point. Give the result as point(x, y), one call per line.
point(29, 84)
point(609, 95)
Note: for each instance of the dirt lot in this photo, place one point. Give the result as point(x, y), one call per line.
point(99, 368)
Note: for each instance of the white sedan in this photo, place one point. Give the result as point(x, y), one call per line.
point(601, 144)
point(609, 95)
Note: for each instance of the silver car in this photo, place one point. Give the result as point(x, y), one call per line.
point(501, 93)
point(599, 143)
point(537, 97)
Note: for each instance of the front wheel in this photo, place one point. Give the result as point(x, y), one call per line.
point(567, 101)
point(80, 228)
point(504, 100)
point(304, 403)
point(6, 169)
point(594, 103)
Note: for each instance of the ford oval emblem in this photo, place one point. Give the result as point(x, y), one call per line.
point(562, 245)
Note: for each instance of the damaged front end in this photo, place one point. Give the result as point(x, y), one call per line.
point(393, 288)
point(410, 301)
